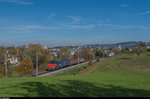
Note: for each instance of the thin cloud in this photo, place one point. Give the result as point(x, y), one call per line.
point(75, 20)
point(32, 27)
point(39, 27)
point(22, 2)
point(145, 13)
point(124, 5)
point(103, 21)
point(114, 26)
point(88, 26)
point(51, 15)
point(80, 26)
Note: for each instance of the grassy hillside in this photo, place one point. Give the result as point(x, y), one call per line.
point(122, 75)
point(124, 63)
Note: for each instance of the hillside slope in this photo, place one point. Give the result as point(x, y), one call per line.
point(122, 75)
point(125, 63)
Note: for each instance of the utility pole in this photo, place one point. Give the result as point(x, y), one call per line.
point(94, 55)
point(5, 66)
point(103, 52)
point(60, 55)
point(70, 53)
point(78, 57)
point(36, 64)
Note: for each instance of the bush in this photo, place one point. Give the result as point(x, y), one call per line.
point(80, 69)
point(2, 72)
point(84, 67)
point(97, 60)
point(25, 67)
point(9, 72)
point(90, 62)
point(43, 67)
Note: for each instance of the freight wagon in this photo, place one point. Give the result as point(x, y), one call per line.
point(74, 61)
point(82, 60)
point(55, 65)
point(66, 63)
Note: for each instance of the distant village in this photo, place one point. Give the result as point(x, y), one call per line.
point(107, 50)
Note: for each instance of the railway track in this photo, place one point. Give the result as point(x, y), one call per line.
point(65, 69)
point(44, 72)
point(52, 73)
point(33, 74)
point(62, 70)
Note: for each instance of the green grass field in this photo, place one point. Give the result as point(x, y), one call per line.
point(124, 75)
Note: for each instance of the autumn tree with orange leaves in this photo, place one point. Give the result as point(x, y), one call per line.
point(25, 67)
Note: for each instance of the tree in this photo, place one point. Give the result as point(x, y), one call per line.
point(138, 49)
point(2, 71)
point(98, 53)
point(127, 49)
point(22, 52)
point(43, 59)
point(117, 51)
point(143, 45)
point(43, 54)
point(87, 53)
point(25, 67)
point(31, 53)
point(3, 51)
point(123, 50)
point(65, 53)
point(14, 51)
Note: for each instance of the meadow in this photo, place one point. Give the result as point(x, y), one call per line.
point(124, 75)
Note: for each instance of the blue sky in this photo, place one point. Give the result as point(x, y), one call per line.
point(75, 21)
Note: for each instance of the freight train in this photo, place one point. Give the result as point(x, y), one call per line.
point(55, 65)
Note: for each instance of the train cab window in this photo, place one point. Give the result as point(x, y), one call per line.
point(53, 62)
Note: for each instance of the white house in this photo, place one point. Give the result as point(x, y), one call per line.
point(130, 49)
point(54, 53)
point(111, 54)
point(147, 46)
point(73, 52)
point(56, 50)
point(120, 47)
point(45, 47)
point(13, 60)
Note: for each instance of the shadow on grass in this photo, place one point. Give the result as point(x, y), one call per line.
point(124, 58)
point(74, 88)
point(148, 50)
